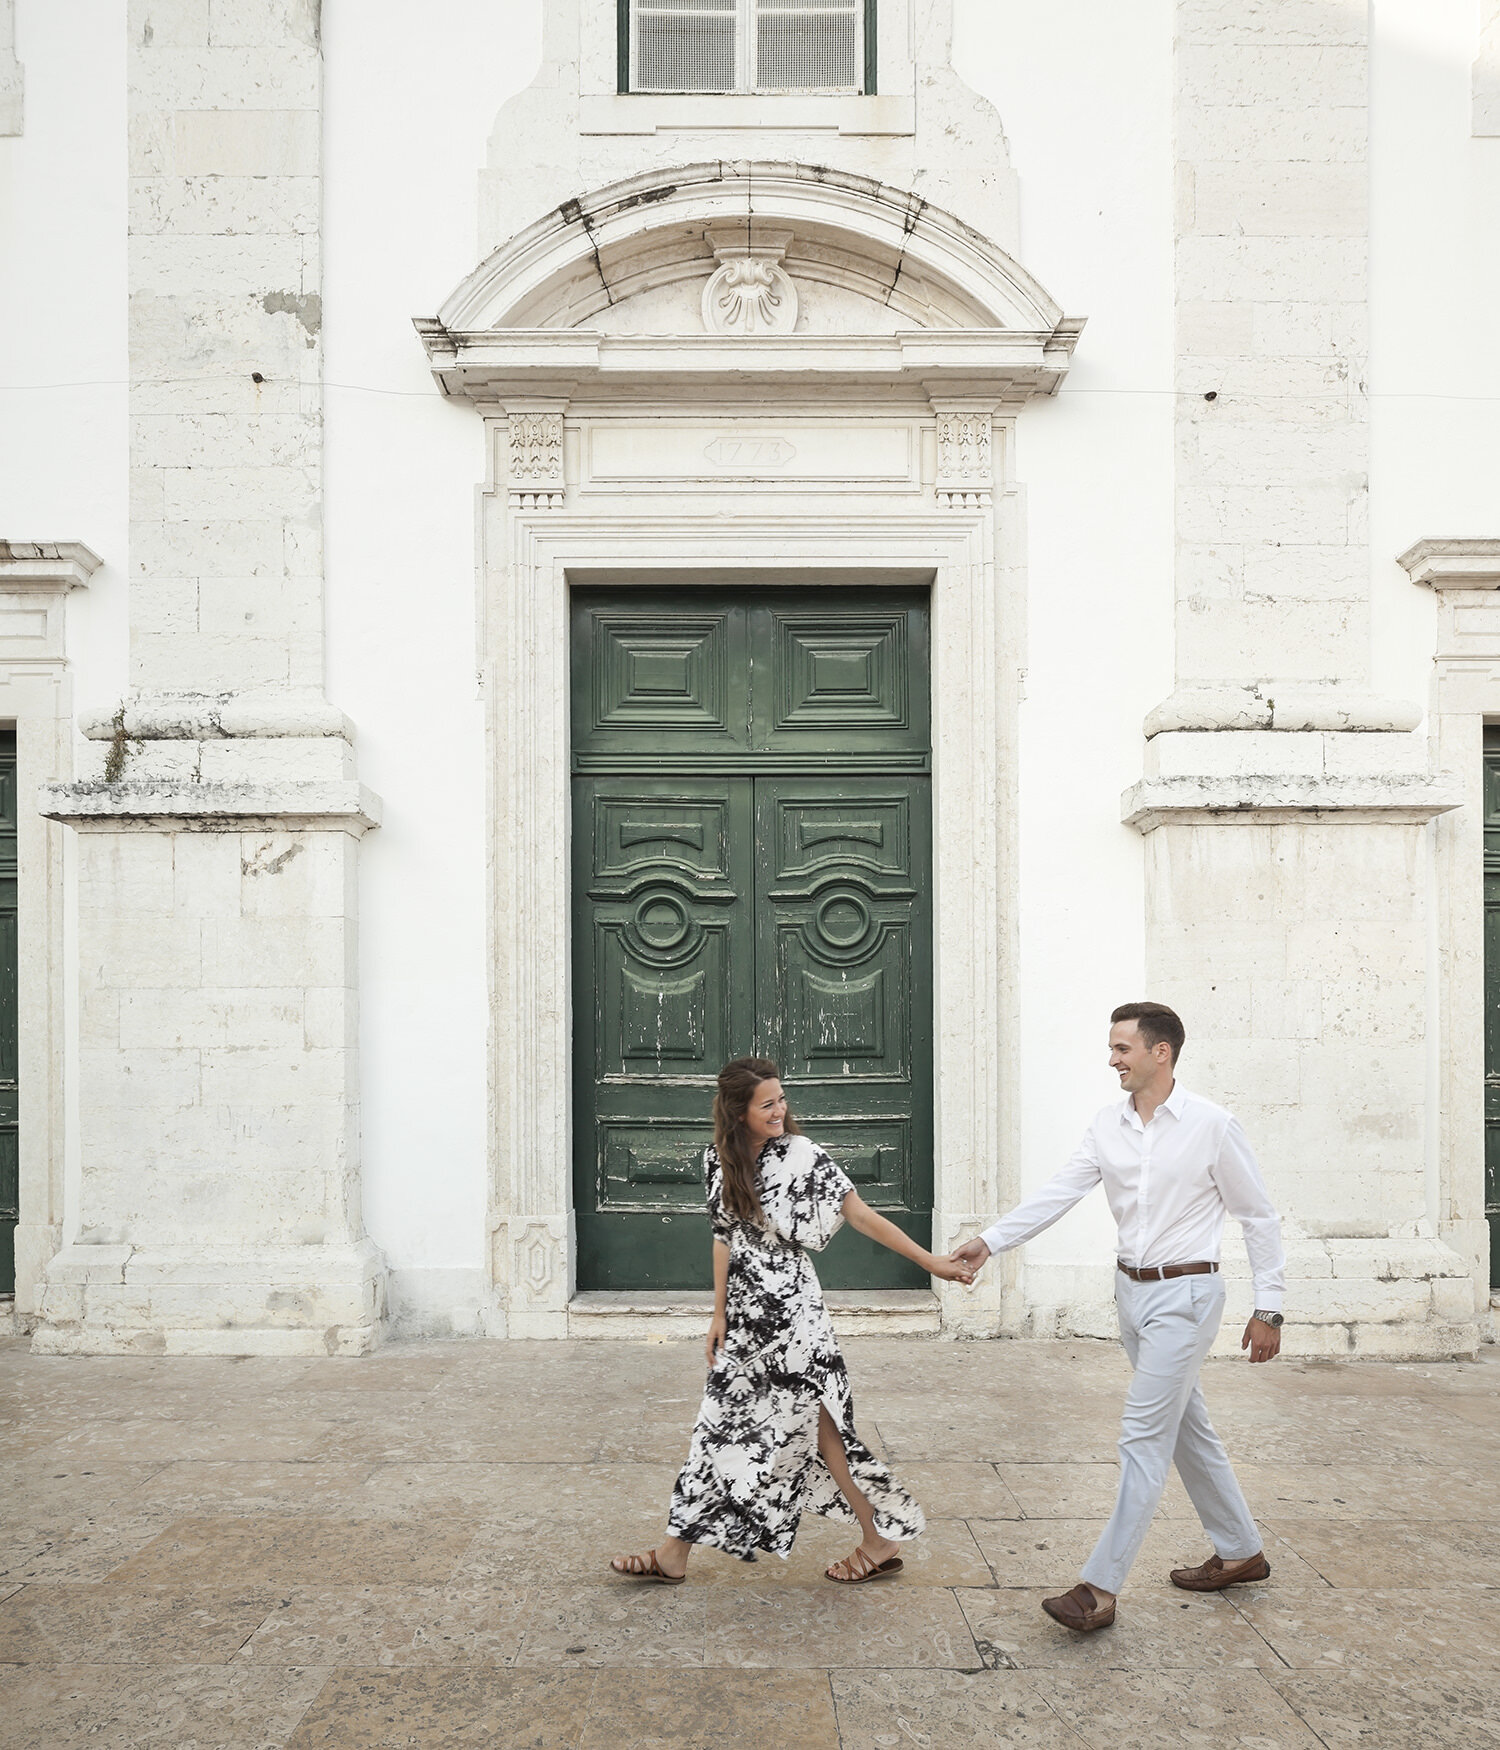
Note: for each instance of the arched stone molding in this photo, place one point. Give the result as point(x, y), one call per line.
point(887, 245)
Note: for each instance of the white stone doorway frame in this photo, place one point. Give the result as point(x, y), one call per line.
point(532, 559)
point(942, 339)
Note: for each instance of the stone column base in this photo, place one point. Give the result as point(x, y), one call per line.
point(197, 1300)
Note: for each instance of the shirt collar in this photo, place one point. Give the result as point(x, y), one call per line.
point(1174, 1103)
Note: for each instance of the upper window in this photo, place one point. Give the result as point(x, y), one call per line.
point(747, 45)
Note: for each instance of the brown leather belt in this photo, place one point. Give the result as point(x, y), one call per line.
point(1165, 1272)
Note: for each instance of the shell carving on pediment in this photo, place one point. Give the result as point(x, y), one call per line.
point(749, 295)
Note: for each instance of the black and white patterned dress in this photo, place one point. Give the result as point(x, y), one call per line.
point(754, 1468)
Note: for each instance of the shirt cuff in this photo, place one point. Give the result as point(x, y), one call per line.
point(1268, 1300)
point(990, 1236)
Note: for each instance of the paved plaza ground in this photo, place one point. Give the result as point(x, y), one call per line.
point(410, 1550)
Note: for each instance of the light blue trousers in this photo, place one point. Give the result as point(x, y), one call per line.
point(1167, 1329)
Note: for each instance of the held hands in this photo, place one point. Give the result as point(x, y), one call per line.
point(718, 1330)
point(972, 1257)
point(963, 1264)
point(951, 1270)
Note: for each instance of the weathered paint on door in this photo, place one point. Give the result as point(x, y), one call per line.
point(1492, 996)
point(751, 872)
point(10, 1163)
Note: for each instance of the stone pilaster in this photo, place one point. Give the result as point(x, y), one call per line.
point(1287, 810)
point(1272, 436)
point(220, 815)
point(36, 579)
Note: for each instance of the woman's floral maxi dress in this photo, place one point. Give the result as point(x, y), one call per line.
point(754, 1468)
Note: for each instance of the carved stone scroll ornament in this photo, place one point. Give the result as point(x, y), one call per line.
point(750, 293)
point(534, 467)
point(965, 459)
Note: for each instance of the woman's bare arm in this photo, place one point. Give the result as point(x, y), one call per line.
point(718, 1328)
point(874, 1226)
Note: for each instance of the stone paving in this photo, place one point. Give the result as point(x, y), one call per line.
point(409, 1550)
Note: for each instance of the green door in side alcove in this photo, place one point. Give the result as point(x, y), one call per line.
point(10, 1159)
point(751, 872)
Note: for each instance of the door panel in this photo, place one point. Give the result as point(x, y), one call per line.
point(658, 679)
point(663, 995)
point(747, 878)
point(845, 992)
point(841, 681)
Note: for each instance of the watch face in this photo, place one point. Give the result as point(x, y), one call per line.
point(1272, 1319)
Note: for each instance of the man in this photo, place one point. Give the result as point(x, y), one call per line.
point(1172, 1165)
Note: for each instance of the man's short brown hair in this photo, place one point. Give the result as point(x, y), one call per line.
point(1157, 1023)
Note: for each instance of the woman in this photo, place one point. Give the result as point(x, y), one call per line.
point(775, 1437)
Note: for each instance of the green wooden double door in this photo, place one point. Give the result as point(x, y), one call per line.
point(751, 873)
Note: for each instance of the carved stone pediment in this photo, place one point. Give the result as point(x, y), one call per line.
point(655, 277)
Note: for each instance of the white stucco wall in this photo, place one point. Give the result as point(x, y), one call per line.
point(1434, 338)
point(404, 139)
point(63, 472)
point(1093, 153)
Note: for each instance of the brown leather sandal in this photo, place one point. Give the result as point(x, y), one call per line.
point(1215, 1574)
point(1079, 1610)
point(645, 1567)
point(859, 1570)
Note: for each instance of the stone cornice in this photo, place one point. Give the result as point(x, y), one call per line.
point(1454, 564)
point(494, 364)
point(343, 805)
point(1269, 799)
point(46, 565)
point(1293, 706)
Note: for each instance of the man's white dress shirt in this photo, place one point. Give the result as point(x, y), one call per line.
point(1170, 1184)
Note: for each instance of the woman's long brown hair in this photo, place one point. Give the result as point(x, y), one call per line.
point(737, 1154)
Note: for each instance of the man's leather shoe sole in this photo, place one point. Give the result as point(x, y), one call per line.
point(1213, 1576)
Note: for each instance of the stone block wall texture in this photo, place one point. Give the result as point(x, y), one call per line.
point(1297, 953)
point(225, 345)
point(217, 1076)
point(1271, 275)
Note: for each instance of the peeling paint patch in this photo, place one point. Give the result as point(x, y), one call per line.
point(307, 308)
point(263, 863)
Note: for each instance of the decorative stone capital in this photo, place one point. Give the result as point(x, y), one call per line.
point(49, 565)
point(1454, 564)
point(534, 455)
point(35, 580)
point(965, 456)
point(750, 293)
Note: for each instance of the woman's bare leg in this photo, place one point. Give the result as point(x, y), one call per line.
point(671, 1557)
point(831, 1447)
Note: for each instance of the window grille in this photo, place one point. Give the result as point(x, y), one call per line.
point(747, 45)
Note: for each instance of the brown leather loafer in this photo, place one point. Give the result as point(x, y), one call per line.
point(1079, 1610)
point(1214, 1575)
